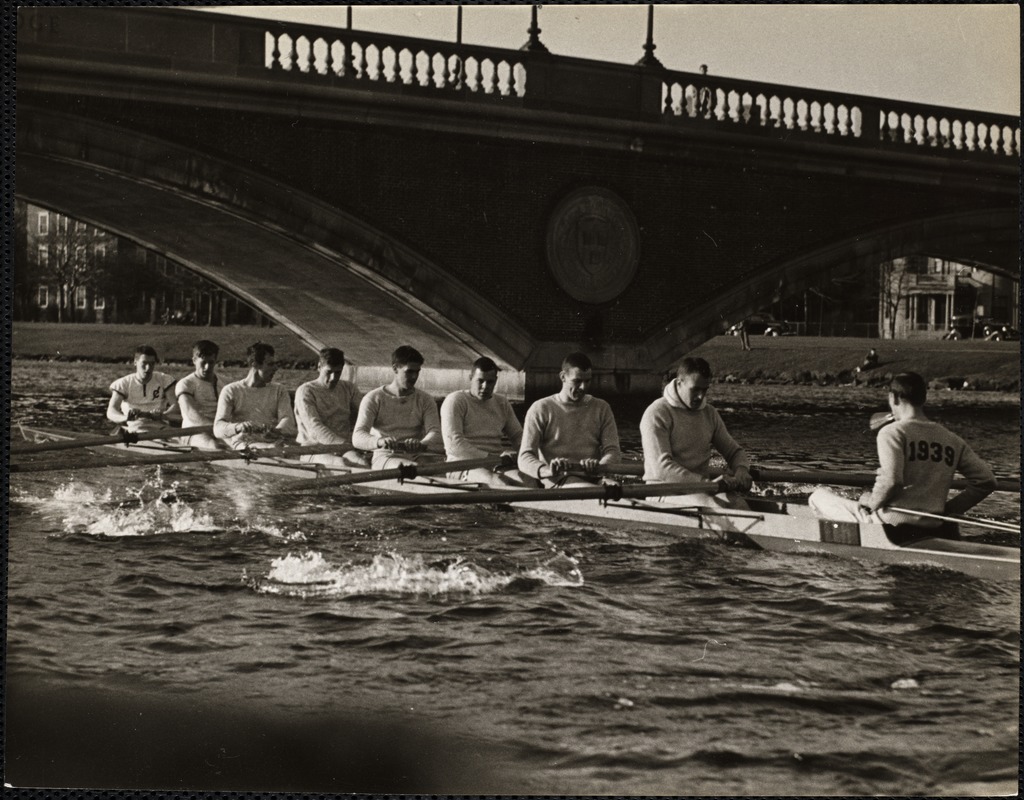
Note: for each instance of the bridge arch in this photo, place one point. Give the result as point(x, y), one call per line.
point(345, 281)
point(976, 237)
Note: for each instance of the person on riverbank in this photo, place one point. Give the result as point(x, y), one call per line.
point(144, 400)
point(325, 409)
point(399, 422)
point(197, 395)
point(569, 430)
point(917, 460)
point(255, 412)
point(744, 334)
point(476, 423)
point(678, 432)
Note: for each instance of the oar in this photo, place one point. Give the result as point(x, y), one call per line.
point(125, 437)
point(984, 523)
point(199, 456)
point(863, 479)
point(608, 492)
point(404, 472)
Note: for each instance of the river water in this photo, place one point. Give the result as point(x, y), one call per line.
point(226, 638)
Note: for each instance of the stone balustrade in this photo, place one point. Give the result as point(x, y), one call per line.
point(372, 60)
point(837, 117)
point(185, 40)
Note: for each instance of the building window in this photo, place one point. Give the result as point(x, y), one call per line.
point(79, 225)
point(80, 255)
point(44, 222)
point(81, 301)
point(99, 303)
point(43, 296)
point(62, 223)
point(101, 252)
point(43, 256)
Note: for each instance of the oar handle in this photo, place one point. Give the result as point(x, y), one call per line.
point(404, 472)
point(123, 437)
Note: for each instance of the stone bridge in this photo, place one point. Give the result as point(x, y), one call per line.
point(368, 190)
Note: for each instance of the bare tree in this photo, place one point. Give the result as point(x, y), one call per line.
point(76, 260)
point(893, 289)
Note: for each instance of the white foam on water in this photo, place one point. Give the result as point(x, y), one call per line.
point(308, 574)
point(155, 517)
point(151, 508)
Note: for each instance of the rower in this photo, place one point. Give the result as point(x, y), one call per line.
point(142, 401)
point(568, 430)
point(255, 412)
point(917, 461)
point(678, 432)
point(398, 422)
point(197, 395)
point(324, 410)
point(476, 422)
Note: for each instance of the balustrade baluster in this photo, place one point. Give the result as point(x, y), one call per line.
point(329, 59)
point(974, 137)
point(494, 87)
point(997, 139)
point(430, 71)
point(414, 70)
point(293, 56)
point(311, 58)
point(361, 68)
point(275, 54)
point(512, 80)
point(478, 77)
point(395, 74)
point(462, 72)
point(446, 75)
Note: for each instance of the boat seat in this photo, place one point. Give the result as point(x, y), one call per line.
point(907, 534)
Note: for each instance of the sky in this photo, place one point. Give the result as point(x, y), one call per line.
point(964, 55)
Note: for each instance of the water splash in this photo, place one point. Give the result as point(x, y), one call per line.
point(310, 575)
point(150, 508)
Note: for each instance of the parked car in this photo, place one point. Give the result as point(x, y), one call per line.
point(963, 326)
point(762, 325)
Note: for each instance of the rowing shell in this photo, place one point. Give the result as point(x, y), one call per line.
point(768, 524)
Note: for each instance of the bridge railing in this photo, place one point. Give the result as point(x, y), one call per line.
point(186, 40)
point(837, 117)
point(374, 60)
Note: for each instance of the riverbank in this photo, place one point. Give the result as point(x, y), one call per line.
point(965, 364)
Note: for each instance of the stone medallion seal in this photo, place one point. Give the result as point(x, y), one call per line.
point(593, 245)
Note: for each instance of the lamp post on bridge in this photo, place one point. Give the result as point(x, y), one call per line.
point(649, 59)
point(534, 45)
point(458, 24)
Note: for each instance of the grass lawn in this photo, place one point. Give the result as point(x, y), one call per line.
point(116, 343)
point(983, 364)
